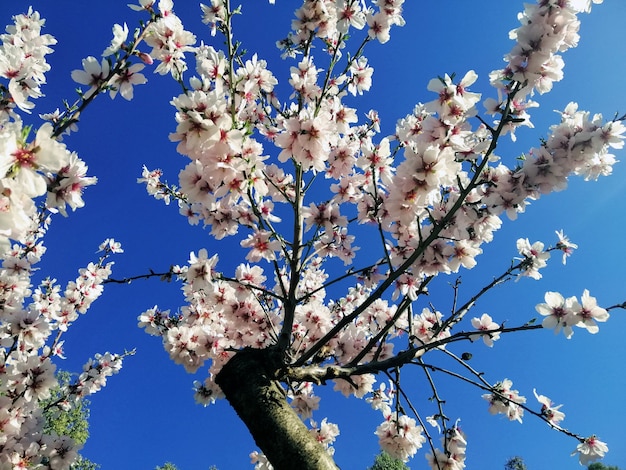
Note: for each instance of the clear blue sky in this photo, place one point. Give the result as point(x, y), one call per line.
point(146, 415)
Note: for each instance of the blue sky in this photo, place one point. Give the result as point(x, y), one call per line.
point(146, 415)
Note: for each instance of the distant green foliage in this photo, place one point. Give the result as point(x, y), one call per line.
point(84, 464)
point(167, 466)
point(384, 461)
point(601, 466)
point(515, 463)
point(171, 466)
point(72, 423)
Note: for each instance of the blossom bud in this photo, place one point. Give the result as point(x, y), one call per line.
point(145, 58)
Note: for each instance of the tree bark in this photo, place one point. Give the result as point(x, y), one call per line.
point(249, 384)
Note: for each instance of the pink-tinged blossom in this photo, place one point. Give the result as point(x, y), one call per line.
point(559, 313)
point(360, 77)
point(326, 434)
point(207, 392)
point(566, 246)
point(381, 399)
point(124, 81)
point(611, 134)
point(186, 346)
point(455, 102)
point(337, 243)
point(323, 215)
point(589, 313)
point(464, 254)
point(304, 79)
point(547, 28)
point(427, 327)
point(110, 245)
point(359, 385)
point(22, 59)
point(9, 147)
point(580, 143)
point(213, 14)
point(304, 401)
point(166, 7)
point(27, 169)
point(534, 257)
point(261, 246)
point(551, 412)
point(201, 270)
point(147, 5)
point(94, 74)
point(455, 446)
point(169, 41)
point(307, 140)
point(379, 26)
point(583, 5)
point(418, 179)
point(202, 118)
point(154, 186)
point(317, 16)
point(25, 162)
point(485, 323)
point(33, 377)
point(590, 449)
point(260, 461)
point(66, 187)
point(400, 436)
point(120, 34)
point(154, 321)
point(61, 451)
point(543, 172)
point(250, 275)
point(95, 373)
point(349, 14)
point(504, 400)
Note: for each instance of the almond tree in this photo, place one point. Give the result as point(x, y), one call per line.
point(426, 199)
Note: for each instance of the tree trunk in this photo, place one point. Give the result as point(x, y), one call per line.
point(248, 383)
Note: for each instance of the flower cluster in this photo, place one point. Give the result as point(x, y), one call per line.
point(434, 191)
point(548, 410)
point(380, 22)
point(42, 166)
point(381, 398)
point(547, 29)
point(27, 348)
point(400, 436)
point(534, 258)
point(164, 33)
point(29, 170)
point(326, 433)
point(453, 455)
point(95, 373)
point(562, 314)
point(23, 62)
point(169, 41)
point(506, 401)
point(100, 76)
